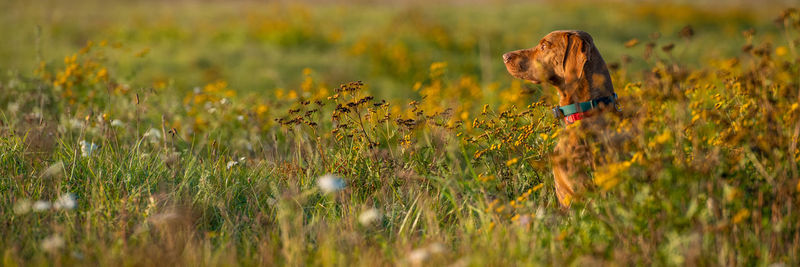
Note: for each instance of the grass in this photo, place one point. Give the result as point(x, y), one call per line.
point(199, 134)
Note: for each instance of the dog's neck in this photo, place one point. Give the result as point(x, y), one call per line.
point(591, 85)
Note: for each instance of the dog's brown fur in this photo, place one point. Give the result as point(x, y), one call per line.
point(570, 61)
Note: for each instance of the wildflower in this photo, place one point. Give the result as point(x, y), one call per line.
point(117, 123)
point(163, 218)
point(798, 186)
point(436, 248)
point(102, 118)
point(54, 170)
point(609, 176)
point(102, 74)
point(781, 51)
point(631, 43)
point(512, 162)
point(41, 205)
point(524, 220)
point(74, 124)
point(417, 256)
point(231, 164)
point(142, 52)
point(153, 134)
point(485, 178)
point(662, 138)
point(540, 213)
point(537, 187)
point(53, 243)
point(330, 183)
point(87, 148)
point(369, 216)
point(740, 216)
point(65, 201)
point(23, 206)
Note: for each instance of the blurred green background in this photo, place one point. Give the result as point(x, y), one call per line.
point(261, 46)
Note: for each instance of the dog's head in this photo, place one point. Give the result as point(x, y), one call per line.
point(558, 59)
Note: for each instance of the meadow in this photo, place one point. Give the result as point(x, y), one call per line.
point(197, 133)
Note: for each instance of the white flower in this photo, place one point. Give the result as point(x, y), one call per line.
point(23, 206)
point(53, 243)
point(436, 248)
point(417, 256)
point(540, 213)
point(41, 205)
point(87, 148)
point(13, 107)
point(224, 101)
point(370, 216)
point(240, 118)
point(524, 220)
point(330, 183)
point(164, 217)
point(74, 124)
point(117, 123)
point(153, 134)
point(232, 163)
point(65, 201)
point(57, 169)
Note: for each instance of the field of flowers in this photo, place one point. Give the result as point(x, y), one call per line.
point(246, 133)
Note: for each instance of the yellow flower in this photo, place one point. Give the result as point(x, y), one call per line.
point(537, 187)
point(102, 74)
point(261, 109)
point(798, 186)
point(566, 200)
point(543, 136)
point(417, 86)
point(142, 52)
point(781, 51)
point(562, 235)
point(159, 84)
point(695, 118)
point(485, 178)
point(741, 215)
point(609, 176)
point(292, 95)
point(661, 138)
point(512, 162)
point(437, 66)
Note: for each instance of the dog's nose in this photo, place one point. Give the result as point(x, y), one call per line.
point(506, 57)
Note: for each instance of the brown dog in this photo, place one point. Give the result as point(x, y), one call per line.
point(570, 61)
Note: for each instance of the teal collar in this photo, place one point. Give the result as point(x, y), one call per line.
point(570, 109)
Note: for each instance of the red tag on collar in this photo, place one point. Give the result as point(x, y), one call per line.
point(573, 118)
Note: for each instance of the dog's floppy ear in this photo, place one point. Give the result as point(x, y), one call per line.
point(577, 51)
